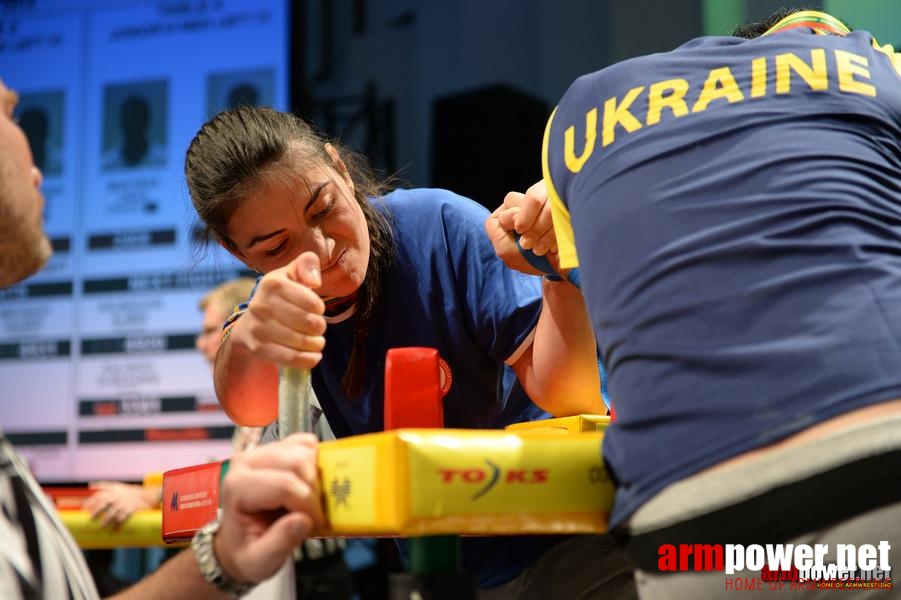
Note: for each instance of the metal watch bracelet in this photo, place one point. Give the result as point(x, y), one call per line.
point(208, 564)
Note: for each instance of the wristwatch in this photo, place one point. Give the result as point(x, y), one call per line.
point(208, 564)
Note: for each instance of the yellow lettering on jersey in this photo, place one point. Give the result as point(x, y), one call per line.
point(852, 76)
point(814, 74)
point(758, 77)
point(720, 83)
point(849, 65)
point(575, 163)
point(614, 114)
point(894, 58)
point(670, 94)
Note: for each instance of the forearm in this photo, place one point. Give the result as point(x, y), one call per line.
point(177, 577)
point(562, 375)
point(246, 386)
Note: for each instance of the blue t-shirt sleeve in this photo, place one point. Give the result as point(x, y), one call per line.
point(499, 306)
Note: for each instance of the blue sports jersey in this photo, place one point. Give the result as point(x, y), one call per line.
point(736, 209)
point(446, 290)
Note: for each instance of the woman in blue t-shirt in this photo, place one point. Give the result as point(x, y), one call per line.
point(351, 269)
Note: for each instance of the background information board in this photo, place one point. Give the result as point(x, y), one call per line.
point(100, 377)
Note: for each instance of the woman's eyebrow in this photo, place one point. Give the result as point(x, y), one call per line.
point(262, 238)
point(315, 193)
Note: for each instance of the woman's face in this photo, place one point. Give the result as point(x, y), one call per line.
point(317, 213)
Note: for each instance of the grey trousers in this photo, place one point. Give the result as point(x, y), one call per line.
point(700, 495)
point(581, 568)
point(868, 528)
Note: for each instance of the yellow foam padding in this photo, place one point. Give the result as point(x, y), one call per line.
point(574, 424)
point(141, 530)
point(153, 479)
point(455, 481)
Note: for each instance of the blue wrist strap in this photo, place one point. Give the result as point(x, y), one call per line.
point(542, 264)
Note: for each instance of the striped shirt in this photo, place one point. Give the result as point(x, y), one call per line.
point(38, 557)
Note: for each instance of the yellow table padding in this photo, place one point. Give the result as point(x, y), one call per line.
point(574, 424)
point(456, 481)
point(141, 530)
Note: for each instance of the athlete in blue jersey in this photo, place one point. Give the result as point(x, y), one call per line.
point(353, 269)
point(734, 208)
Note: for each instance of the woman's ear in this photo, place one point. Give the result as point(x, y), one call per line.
point(339, 165)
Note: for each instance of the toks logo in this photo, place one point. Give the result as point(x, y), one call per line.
point(489, 477)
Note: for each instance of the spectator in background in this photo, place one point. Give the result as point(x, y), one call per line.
point(319, 567)
point(112, 501)
point(217, 306)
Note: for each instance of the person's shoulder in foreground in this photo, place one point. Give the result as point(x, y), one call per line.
point(723, 187)
point(733, 207)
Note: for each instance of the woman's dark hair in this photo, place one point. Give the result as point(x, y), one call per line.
point(237, 149)
point(755, 30)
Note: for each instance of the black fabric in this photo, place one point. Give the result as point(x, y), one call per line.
point(781, 514)
point(29, 531)
point(371, 582)
point(326, 578)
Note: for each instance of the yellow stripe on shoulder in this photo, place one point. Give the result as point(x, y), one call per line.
point(894, 57)
point(566, 245)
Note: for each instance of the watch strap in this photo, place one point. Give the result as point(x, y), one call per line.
point(208, 564)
